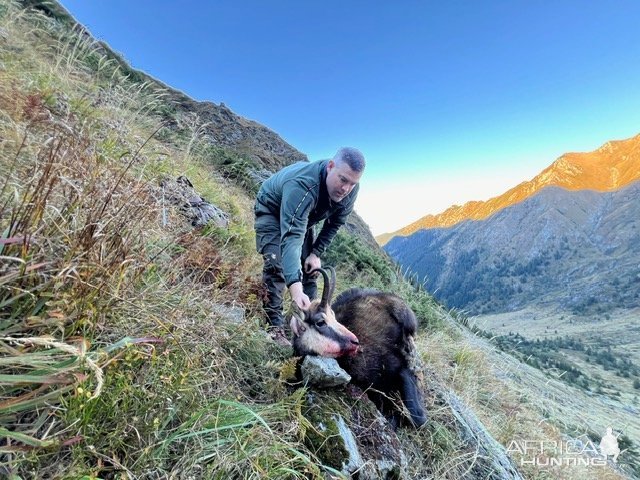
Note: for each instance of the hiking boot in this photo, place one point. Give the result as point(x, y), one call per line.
point(279, 336)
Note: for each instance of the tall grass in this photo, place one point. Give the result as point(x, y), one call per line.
point(72, 234)
point(113, 359)
point(72, 237)
point(233, 440)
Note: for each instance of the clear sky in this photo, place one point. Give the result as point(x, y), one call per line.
point(449, 101)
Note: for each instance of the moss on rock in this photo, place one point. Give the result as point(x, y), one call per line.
point(323, 410)
point(350, 434)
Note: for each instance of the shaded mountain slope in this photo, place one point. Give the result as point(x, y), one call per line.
point(580, 250)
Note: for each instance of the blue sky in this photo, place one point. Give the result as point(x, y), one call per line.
point(449, 101)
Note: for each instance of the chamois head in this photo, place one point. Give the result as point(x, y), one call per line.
point(316, 330)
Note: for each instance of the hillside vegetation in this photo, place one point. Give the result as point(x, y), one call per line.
point(574, 250)
point(131, 342)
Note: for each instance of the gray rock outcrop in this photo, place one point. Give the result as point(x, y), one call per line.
point(323, 372)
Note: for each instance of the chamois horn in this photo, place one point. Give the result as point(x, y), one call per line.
point(326, 291)
point(333, 282)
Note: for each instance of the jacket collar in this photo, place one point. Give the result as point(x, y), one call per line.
point(324, 193)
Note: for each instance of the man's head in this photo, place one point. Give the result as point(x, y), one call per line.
point(343, 172)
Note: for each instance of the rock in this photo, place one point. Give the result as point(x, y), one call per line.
point(493, 461)
point(378, 444)
point(232, 313)
point(323, 372)
point(354, 459)
point(259, 176)
point(349, 434)
point(181, 193)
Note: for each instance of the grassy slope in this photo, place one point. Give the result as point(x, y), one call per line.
point(125, 366)
point(608, 392)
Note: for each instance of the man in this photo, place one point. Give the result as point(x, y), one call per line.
point(288, 205)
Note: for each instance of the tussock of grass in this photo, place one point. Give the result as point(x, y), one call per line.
point(85, 263)
point(246, 442)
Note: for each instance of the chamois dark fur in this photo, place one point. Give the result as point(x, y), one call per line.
point(385, 327)
point(383, 362)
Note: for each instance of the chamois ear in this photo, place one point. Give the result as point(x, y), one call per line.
point(297, 324)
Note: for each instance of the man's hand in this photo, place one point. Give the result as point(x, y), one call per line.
point(311, 263)
point(298, 296)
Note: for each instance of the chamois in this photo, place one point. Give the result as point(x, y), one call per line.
point(370, 333)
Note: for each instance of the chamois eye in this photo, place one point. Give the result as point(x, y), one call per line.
point(320, 323)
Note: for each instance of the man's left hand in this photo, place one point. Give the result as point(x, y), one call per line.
point(311, 263)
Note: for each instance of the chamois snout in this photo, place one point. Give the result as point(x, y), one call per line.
point(316, 330)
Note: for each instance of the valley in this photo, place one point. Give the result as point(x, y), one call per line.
point(551, 283)
point(587, 368)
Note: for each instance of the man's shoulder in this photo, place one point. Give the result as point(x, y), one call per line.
point(306, 174)
point(300, 177)
point(311, 168)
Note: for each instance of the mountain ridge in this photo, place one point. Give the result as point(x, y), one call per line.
point(608, 168)
point(573, 249)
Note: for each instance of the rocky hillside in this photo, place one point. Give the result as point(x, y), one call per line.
point(576, 249)
point(261, 150)
point(610, 167)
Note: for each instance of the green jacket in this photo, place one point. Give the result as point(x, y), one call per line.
point(297, 198)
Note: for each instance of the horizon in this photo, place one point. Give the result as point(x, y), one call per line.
point(449, 103)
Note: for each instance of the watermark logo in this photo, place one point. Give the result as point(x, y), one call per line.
point(573, 452)
point(609, 445)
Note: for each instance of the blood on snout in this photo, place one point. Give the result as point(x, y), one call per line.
point(340, 342)
point(321, 345)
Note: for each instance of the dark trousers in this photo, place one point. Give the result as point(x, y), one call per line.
point(268, 244)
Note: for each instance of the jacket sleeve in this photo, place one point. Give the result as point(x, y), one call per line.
point(297, 201)
point(332, 225)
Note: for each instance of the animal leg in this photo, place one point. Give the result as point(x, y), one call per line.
point(411, 397)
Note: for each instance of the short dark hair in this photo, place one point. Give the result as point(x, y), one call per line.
point(352, 157)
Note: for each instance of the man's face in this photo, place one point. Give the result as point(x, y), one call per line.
point(340, 180)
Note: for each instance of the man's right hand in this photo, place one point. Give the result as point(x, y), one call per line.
point(298, 296)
